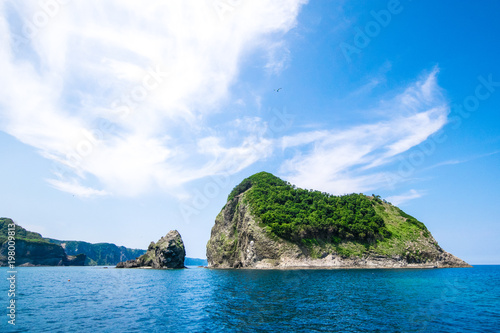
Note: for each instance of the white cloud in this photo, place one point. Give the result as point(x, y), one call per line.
point(123, 90)
point(278, 58)
point(75, 188)
point(124, 93)
point(346, 161)
point(405, 197)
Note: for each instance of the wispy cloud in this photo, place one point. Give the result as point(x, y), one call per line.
point(127, 97)
point(405, 197)
point(456, 161)
point(75, 188)
point(344, 161)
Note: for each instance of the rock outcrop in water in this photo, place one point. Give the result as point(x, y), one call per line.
point(268, 223)
point(168, 252)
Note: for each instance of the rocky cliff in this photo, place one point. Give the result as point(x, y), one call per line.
point(33, 250)
point(168, 252)
point(250, 231)
point(98, 253)
point(32, 253)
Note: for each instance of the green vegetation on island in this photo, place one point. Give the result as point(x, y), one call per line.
point(20, 234)
point(298, 215)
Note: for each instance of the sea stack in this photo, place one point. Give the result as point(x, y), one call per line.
point(168, 252)
point(269, 223)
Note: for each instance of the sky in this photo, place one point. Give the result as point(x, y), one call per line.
point(120, 121)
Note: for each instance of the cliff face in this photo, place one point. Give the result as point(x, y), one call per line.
point(33, 253)
point(100, 253)
point(237, 241)
point(33, 250)
point(240, 239)
point(168, 252)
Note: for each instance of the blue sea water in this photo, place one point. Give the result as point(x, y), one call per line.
point(94, 299)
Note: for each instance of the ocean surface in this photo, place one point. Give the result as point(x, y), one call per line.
point(95, 299)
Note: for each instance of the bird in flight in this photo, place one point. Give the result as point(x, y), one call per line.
point(277, 90)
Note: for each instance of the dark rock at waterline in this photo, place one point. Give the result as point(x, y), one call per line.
point(128, 264)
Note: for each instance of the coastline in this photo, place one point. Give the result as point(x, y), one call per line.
point(332, 261)
point(284, 268)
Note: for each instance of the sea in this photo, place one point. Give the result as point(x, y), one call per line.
point(99, 299)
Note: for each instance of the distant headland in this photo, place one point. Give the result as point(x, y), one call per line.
point(34, 250)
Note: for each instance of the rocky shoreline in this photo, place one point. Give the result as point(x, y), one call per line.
point(327, 266)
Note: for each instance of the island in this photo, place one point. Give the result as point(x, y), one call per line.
point(270, 223)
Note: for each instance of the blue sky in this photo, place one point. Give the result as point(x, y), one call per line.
point(122, 121)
